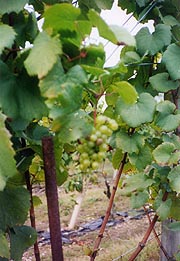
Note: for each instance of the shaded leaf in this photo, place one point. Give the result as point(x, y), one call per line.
point(171, 61)
point(20, 239)
point(168, 118)
point(152, 43)
point(7, 162)
point(104, 4)
point(140, 112)
point(23, 94)
point(43, 55)
point(164, 209)
point(129, 143)
point(161, 83)
point(174, 226)
point(14, 206)
point(7, 36)
point(174, 178)
point(73, 127)
point(12, 6)
point(141, 159)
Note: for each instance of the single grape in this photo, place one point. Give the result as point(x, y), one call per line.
point(95, 165)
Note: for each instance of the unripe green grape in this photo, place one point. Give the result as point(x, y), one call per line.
point(93, 137)
point(101, 119)
point(84, 155)
point(113, 124)
point(105, 130)
point(86, 163)
point(94, 156)
point(103, 147)
point(90, 144)
point(95, 165)
point(101, 155)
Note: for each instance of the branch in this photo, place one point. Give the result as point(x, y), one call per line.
point(108, 211)
point(147, 234)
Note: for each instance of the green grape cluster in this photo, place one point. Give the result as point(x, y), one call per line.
point(92, 150)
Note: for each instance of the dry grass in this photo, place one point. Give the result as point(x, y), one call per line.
point(117, 241)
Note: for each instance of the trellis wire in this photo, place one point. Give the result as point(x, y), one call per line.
point(132, 249)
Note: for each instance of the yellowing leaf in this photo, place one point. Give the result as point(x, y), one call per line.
point(43, 55)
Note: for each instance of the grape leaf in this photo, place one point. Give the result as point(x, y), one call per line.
point(61, 17)
point(73, 127)
point(129, 143)
point(161, 83)
point(23, 94)
point(7, 162)
point(164, 209)
point(7, 36)
point(12, 6)
point(171, 61)
point(168, 118)
point(136, 182)
point(4, 249)
point(140, 112)
point(139, 199)
point(14, 206)
point(21, 237)
point(163, 152)
point(43, 55)
point(104, 4)
point(152, 43)
point(174, 178)
point(126, 91)
point(141, 159)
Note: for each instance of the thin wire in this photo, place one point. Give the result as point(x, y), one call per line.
point(112, 53)
point(151, 7)
point(130, 250)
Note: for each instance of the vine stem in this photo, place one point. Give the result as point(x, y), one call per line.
point(157, 238)
point(32, 214)
point(52, 198)
point(108, 211)
point(147, 234)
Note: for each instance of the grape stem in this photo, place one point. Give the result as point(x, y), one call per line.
point(108, 211)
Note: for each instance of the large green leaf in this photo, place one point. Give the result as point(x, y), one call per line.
point(64, 90)
point(152, 43)
point(21, 237)
point(61, 17)
point(161, 83)
point(141, 159)
point(4, 249)
point(140, 112)
point(172, 61)
point(136, 182)
point(164, 209)
point(168, 118)
point(129, 143)
point(164, 152)
point(7, 36)
point(14, 206)
point(12, 6)
point(174, 178)
point(23, 94)
point(126, 91)
point(139, 199)
point(7, 162)
point(73, 127)
point(43, 55)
